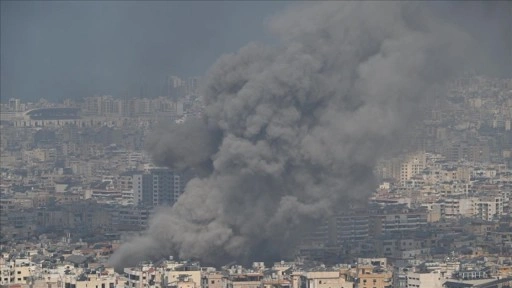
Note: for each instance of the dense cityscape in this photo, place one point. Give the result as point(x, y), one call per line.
point(255, 144)
point(76, 182)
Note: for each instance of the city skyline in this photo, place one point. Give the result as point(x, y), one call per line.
point(57, 49)
point(360, 145)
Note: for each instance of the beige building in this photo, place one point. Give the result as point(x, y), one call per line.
point(325, 279)
point(488, 208)
point(453, 208)
point(23, 270)
point(373, 273)
point(375, 280)
point(19, 271)
point(248, 280)
point(183, 277)
point(214, 280)
point(106, 279)
point(39, 154)
point(434, 212)
point(185, 281)
point(402, 168)
point(6, 272)
point(412, 165)
point(424, 280)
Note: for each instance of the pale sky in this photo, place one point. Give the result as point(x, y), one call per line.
point(73, 49)
point(58, 49)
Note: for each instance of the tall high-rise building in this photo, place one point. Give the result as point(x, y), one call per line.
point(15, 104)
point(178, 87)
point(192, 85)
point(157, 187)
point(175, 87)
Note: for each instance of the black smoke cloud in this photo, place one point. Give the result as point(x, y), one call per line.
point(294, 130)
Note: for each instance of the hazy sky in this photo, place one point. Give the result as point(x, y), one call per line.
point(57, 49)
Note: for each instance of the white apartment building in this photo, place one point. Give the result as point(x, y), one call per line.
point(488, 208)
point(455, 208)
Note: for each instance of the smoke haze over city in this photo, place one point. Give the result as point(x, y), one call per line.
point(292, 131)
point(245, 132)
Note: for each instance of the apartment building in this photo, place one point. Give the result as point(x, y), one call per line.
point(214, 280)
point(370, 276)
point(145, 275)
point(247, 280)
point(396, 220)
point(412, 165)
point(424, 280)
point(106, 279)
point(488, 208)
point(156, 187)
point(325, 279)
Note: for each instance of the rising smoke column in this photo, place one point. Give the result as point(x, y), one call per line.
point(291, 132)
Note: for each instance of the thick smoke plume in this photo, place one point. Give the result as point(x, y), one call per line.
point(291, 132)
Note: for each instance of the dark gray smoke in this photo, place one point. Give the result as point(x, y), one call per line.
point(193, 145)
point(301, 126)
